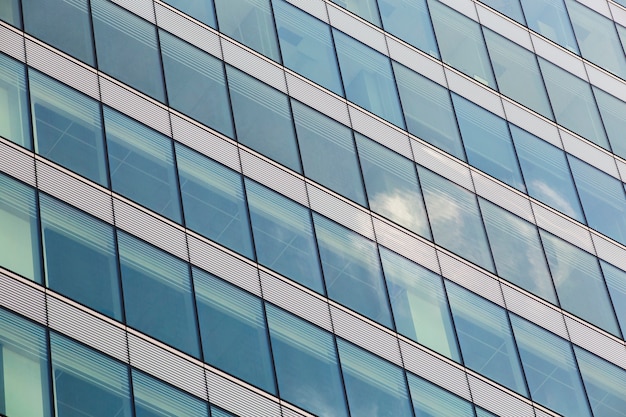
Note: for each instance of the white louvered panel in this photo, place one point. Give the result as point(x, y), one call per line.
point(150, 229)
point(609, 251)
point(406, 245)
point(504, 27)
point(502, 196)
point(542, 413)
point(288, 412)
point(254, 65)
point(589, 153)
point(167, 366)
point(205, 142)
point(435, 370)
point(22, 298)
point(534, 124)
point(313, 96)
point(621, 168)
point(88, 329)
point(296, 301)
point(17, 164)
point(417, 61)
point(12, 43)
point(188, 30)
point(595, 342)
point(238, 399)
point(273, 177)
point(340, 211)
point(365, 335)
point(142, 8)
point(470, 278)
point(74, 191)
point(465, 7)
point(224, 265)
point(442, 164)
point(474, 91)
point(557, 56)
point(618, 13)
point(601, 7)
point(606, 82)
point(135, 106)
point(345, 22)
point(315, 8)
point(62, 69)
point(562, 227)
point(534, 311)
point(497, 401)
point(382, 133)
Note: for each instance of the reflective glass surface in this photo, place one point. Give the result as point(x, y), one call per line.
point(14, 115)
point(198, 9)
point(409, 20)
point(616, 283)
point(429, 400)
point(10, 12)
point(367, 9)
point(510, 8)
point(549, 18)
point(613, 112)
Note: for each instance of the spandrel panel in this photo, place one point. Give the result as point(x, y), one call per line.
point(392, 186)
point(430, 400)
point(366, 9)
point(510, 8)
point(616, 283)
point(233, 331)
point(409, 20)
point(306, 364)
point(549, 18)
point(420, 307)
point(14, 115)
point(613, 112)
point(198, 9)
point(11, 13)
point(67, 127)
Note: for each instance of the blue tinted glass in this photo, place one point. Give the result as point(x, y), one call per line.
point(483, 413)
point(198, 9)
point(217, 412)
point(157, 294)
point(364, 8)
point(549, 18)
point(429, 400)
point(409, 20)
point(234, 335)
point(10, 12)
point(510, 8)
point(368, 79)
point(14, 117)
point(616, 282)
point(613, 112)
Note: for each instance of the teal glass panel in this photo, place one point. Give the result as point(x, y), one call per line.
point(154, 398)
point(79, 257)
point(87, 383)
point(10, 12)
point(24, 387)
point(157, 294)
point(613, 112)
point(214, 201)
point(306, 364)
point(487, 142)
point(352, 270)
point(127, 48)
point(67, 127)
point(510, 8)
point(218, 412)
point(616, 283)
point(579, 284)
point(547, 174)
point(366, 9)
point(549, 18)
point(328, 154)
point(550, 368)
point(484, 413)
point(141, 162)
point(428, 111)
point(420, 307)
point(283, 236)
point(368, 78)
point(19, 234)
point(392, 187)
point(409, 20)
point(461, 43)
point(263, 118)
point(249, 22)
point(485, 336)
point(374, 386)
point(196, 83)
point(307, 46)
point(517, 251)
point(63, 24)
point(455, 219)
point(14, 117)
point(430, 400)
point(233, 331)
point(198, 9)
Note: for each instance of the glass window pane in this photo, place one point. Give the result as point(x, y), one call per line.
point(306, 364)
point(233, 330)
point(352, 270)
point(430, 400)
point(328, 154)
point(409, 20)
point(510, 8)
point(363, 8)
point(419, 304)
point(616, 282)
point(157, 294)
point(24, 389)
point(549, 18)
point(141, 162)
point(374, 386)
point(67, 127)
point(10, 12)
point(613, 112)
point(14, 117)
point(19, 235)
point(214, 201)
point(87, 383)
point(198, 9)
point(218, 412)
point(368, 79)
point(484, 413)
point(89, 273)
point(127, 48)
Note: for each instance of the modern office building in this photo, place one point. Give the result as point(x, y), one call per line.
point(312, 207)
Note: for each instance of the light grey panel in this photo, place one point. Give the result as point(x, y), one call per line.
point(474, 91)
point(63, 69)
point(238, 399)
point(167, 366)
point(502, 196)
point(12, 43)
point(531, 122)
point(436, 370)
point(206, 142)
point(619, 13)
point(288, 412)
point(533, 310)
point(16, 163)
point(503, 26)
point(356, 28)
point(295, 300)
point(462, 6)
point(563, 227)
point(224, 265)
point(135, 106)
point(609, 251)
point(542, 413)
point(316, 8)
point(401, 242)
point(442, 164)
point(599, 6)
point(596, 342)
point(416, 60)
point(88, 329)
point(22, 298)
point(606, 82)
point(366, 335)
point(253, 64)
point(391, 137)
point(558, 56)
point(340, 211)
point(74, 191)
point(150, 229)
point(470, 278)
point(621, 168)
point(589, 153)
point(497, 401)
point(314, 96)
point(142, 8)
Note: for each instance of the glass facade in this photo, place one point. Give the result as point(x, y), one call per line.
point(330, 207)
